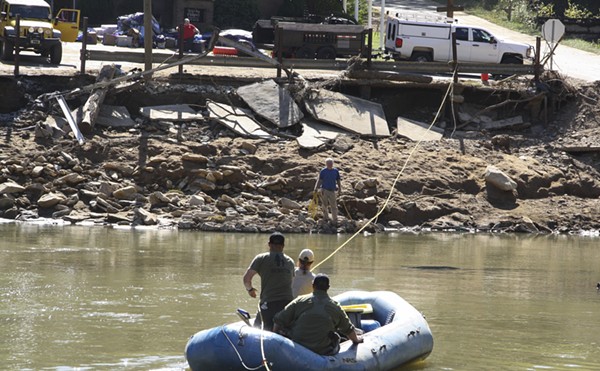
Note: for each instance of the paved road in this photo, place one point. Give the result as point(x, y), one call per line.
point(569, 61)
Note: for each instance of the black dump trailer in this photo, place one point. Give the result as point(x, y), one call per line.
point(321, 41)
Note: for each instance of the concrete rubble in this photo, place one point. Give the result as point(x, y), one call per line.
point(224, 160)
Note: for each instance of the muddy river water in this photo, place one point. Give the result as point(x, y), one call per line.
point(78, 298)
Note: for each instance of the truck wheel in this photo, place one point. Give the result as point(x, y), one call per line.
point(7, 50)
point(305, 52)
point(421, 57)
point(511, 59)
point(326, 52)
point(56, 54)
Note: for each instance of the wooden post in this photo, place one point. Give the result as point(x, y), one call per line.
point(84, 43)
point(370, 47)
point(450, 8)
point(92, 106)
point(382, 26)
point(17, 44)
point(148, 35)
point(454, 57)
point(537, 66)
point(181, 41)
point(279, 50)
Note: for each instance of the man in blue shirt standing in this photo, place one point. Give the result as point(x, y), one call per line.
point(327, 184)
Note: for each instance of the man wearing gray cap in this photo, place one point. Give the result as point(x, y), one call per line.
point(328, 182)
point(313, 320)
point(276, 271)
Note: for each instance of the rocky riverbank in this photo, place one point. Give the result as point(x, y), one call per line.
point(199, 175)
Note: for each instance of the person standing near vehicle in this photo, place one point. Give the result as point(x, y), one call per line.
point(189, 31)
point(303, 277)
point(276, 271)
point(328, 182)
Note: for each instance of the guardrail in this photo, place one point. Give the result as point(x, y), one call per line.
point(338, 64)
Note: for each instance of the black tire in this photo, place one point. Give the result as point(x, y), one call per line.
point(326, 52)
point(511, 59)
point(305, 52)
point(421, 57)
point(7, 51)
point(56, 54)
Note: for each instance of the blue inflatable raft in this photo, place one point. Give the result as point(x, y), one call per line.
point(395, 334)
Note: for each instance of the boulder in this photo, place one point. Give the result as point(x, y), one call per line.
point(71, 179)
point(249, 147)
point(228, 199)
point(37, 171)
point(107, 188)
point(197, 200)
point(201, 184)
point(51, 199)
point(158, 199)
point(146, 217)
point(192, 157)
point(6, 202)
point(122, 168)
point(498, 179)
point(289, 204)
point(125, 193)
point(11, 187)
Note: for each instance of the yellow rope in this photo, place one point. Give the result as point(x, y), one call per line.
point(450, 87)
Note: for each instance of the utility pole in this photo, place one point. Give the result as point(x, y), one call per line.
point(148, 35)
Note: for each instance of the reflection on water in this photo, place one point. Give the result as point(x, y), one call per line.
point(102, 298)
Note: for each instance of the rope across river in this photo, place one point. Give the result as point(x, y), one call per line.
point(406, 162)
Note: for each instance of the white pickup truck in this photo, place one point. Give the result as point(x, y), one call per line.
point(432, 41)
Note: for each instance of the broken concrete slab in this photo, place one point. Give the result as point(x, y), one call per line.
point(357, 115)
point(237, 120)
point(315, 134)
point(273, 102)
point(417, 131)
point(175, 112)
point(513, 123)
point(114, 116)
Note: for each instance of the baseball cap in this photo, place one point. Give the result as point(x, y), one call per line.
point(306, 256)
point(277, 238)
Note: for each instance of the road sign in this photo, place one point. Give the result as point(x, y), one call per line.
point(553, 30)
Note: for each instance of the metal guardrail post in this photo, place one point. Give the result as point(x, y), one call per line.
point(181, 41)
point(17, 44)
point(84, 43)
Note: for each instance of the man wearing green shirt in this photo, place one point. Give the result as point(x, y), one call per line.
point(276, 271)
point(312, 320)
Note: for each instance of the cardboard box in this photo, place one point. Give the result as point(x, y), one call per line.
point(125, 41)
point(109, 39)
point(92, 38)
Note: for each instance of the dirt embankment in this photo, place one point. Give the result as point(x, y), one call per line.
point(199, 175)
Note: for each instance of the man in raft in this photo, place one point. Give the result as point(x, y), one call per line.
point(313, 320)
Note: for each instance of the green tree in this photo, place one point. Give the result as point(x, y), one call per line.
point(236, 14)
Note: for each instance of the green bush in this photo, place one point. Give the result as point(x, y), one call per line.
point(577, 11)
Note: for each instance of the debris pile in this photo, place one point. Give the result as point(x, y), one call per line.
point(245, 159)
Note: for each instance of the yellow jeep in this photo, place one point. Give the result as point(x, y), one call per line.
point(38, 33)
